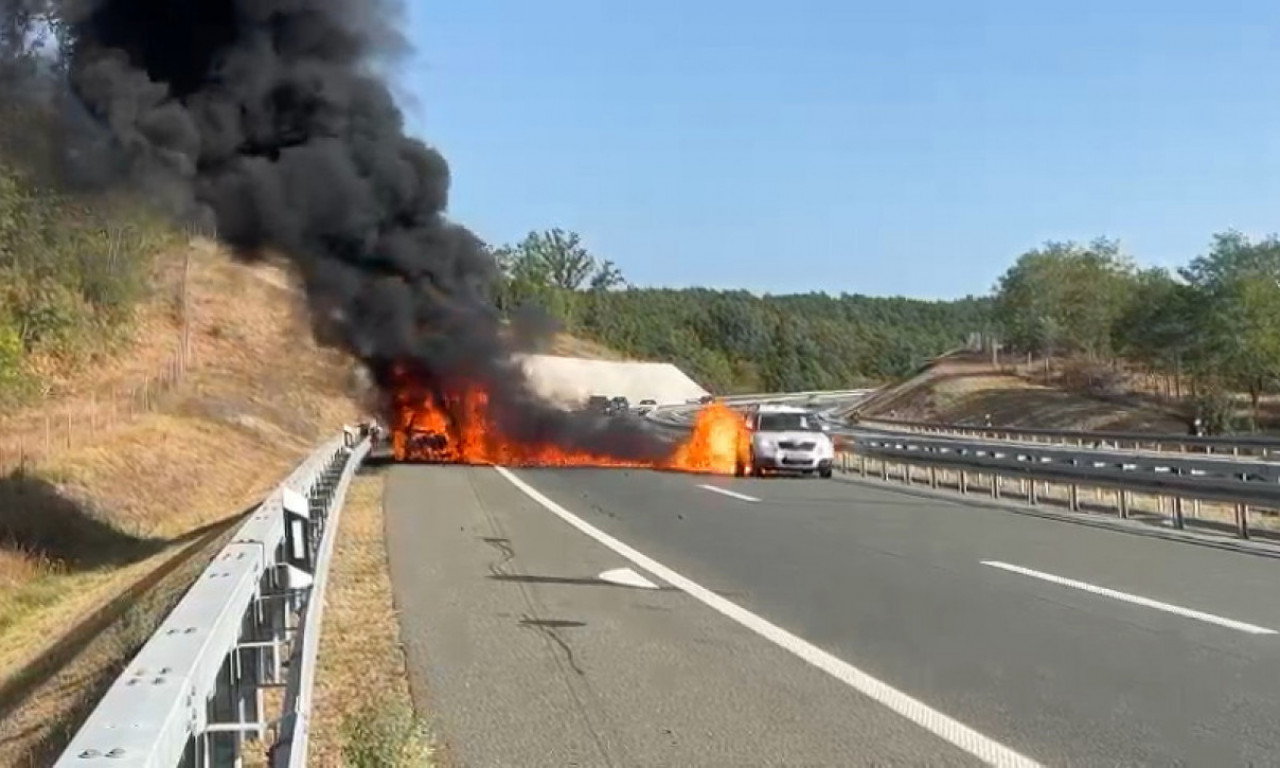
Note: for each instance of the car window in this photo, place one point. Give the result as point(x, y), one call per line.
point(787, 422)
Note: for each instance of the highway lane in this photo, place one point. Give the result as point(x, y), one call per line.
point(525, 654)
point(896, 584)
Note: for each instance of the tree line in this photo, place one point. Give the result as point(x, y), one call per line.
point(1212, 325)
point(732, 341)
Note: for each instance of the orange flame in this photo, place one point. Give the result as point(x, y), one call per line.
point(458, 428)
point(720, 443)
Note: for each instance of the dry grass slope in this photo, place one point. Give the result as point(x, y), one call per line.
point(88, 521)
point(967, 389)
point(1015, 401)
point(570, 346)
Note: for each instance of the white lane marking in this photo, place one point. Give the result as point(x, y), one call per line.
point(986, 749)
point(1189, 613)
point(627, 578)
point(731, 494)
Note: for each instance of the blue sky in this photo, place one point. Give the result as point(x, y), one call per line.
point(910, 147)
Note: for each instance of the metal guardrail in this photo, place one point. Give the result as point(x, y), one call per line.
point(767, 396)
point(1262, 446)
point(1240, 483)
point(679, 416)
point(193, 695)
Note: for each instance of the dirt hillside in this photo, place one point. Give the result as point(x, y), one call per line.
point(966, 389)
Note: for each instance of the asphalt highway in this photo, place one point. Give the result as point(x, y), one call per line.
point(812, 622)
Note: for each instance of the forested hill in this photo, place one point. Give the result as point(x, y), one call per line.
point(734, 341)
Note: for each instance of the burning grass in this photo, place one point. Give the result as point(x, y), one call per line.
point(460, 427)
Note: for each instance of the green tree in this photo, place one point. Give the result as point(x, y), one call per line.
point(557, 258)
point(1159, 325)
point(1064, 297)
point(1237, 285)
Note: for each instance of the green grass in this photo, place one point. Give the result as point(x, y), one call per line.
point(385, 735)
point(73, 269)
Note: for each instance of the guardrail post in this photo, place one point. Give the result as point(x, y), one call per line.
point(906, 474)
point(1123, 503)
point(884, 470)
point(933, 477)
point(1032, 492)
point(1179, 521)
point(964, 481)
point(862, 465)
point(1073, 497)
point(995, 485)
point(1242, 520)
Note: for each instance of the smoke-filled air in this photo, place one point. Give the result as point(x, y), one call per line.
point(269, 120)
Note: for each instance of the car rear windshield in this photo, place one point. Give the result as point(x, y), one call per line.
point(788, 422)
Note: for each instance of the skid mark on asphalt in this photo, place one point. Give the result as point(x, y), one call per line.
point(577, 684)
point(550, 628)
point(977, 744)
point(1125, 597)
point(499, 567)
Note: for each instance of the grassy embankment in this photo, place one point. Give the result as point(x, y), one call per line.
point(152, 389)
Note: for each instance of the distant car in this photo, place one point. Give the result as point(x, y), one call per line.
point(617, 405)
point(598, 403)
point(646, 406)
point(787, 439)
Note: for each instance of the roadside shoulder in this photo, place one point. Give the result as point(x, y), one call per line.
point(363, 712)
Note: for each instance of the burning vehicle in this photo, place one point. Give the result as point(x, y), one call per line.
point(459, 423)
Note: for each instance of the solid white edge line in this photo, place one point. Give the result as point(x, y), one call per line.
point(731, 494)
point(1189, 613)
point(984, 748)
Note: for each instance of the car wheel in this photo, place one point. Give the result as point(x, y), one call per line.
point(739, 469)
point(825, 474)
point(757, 470)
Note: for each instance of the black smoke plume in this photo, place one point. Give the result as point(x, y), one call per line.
point(270, 119)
